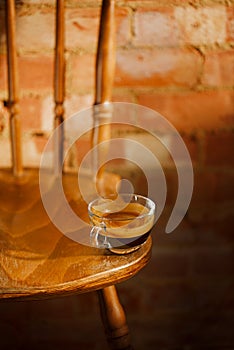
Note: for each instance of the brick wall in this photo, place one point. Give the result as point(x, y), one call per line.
point(175, 57)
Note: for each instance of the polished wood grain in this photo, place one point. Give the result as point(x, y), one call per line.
point(105, 59)
point(13, 89)
point(59, 84)
point(114, 319)
point(104, 77)
point(38, 261)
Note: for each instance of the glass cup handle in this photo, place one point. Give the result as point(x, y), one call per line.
point(97, 239)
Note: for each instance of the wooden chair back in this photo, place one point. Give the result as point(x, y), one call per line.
point(104, 76)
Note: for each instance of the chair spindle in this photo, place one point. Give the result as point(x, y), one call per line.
point(114, 319)
point(105, 70)
point(59, 85)
point(13, 91)
point(105, 62)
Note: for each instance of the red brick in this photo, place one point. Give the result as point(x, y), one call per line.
point(162, 2)
point(3, 117)
point(123, 26)
point(215, 234)
point(155, 26)
point(216, 262)
point(205, 183)
point(30, 112)
point(82, 27)
point(47, 113)
point(5, 152)
point(2, 21)
point(3, 72)
point(230, 23)
point(191, 143)
point(182, 236)
point(164, 296)
point(219, 149)
point(224, 229)
point(35, 29)
point(209, 292)
point(36, 72)
point(211, 213)
point(225, 189)
point(188, 111)
point(171, 264)
point(132, 297)
point(202, 25)
point(213, 186)
point(75, 103)
point(168, 67)
point(123, 96)
point(171, 296)
point(219, 68)
point(172, 2)
point(40, 143)
point(83, 145)
point(82, 72)
point(39, 2)
point(172, 185)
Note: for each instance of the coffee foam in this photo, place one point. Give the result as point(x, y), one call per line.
point(132, 220)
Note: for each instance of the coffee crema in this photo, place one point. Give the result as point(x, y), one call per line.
point(129, 222)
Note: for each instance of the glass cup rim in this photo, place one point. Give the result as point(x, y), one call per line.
point(132, 195)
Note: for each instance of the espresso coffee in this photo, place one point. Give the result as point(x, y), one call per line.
point(123, 224)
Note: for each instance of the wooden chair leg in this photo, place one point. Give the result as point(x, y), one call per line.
point(114, 319)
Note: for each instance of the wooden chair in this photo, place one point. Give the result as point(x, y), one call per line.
point(36, 260)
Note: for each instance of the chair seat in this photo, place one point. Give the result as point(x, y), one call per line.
point(37, 260)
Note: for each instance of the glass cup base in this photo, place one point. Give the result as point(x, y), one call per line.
point(122, 251)
point(132, 247)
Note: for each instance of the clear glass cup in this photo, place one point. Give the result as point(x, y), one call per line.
point(121, 224)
